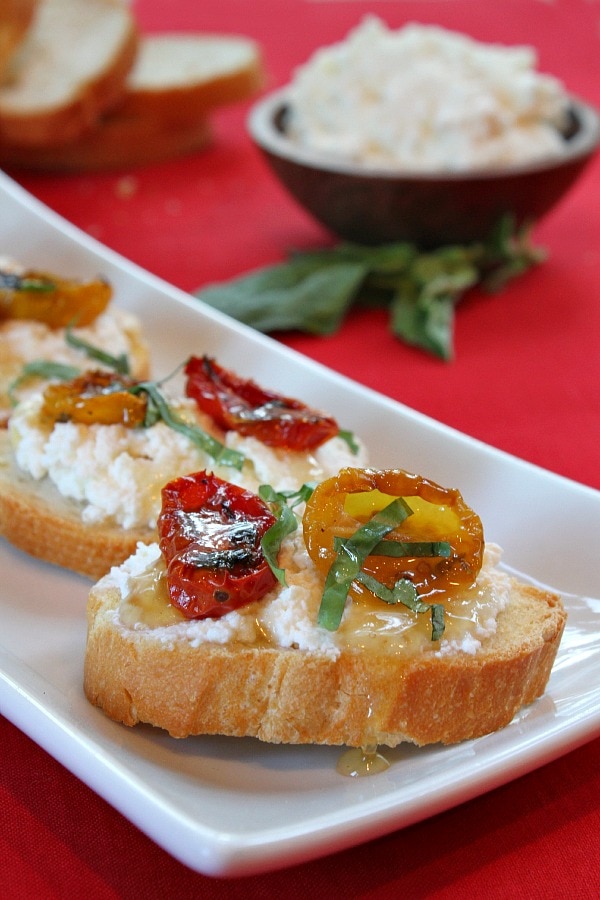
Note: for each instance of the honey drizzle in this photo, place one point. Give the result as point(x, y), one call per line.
point(358, 762)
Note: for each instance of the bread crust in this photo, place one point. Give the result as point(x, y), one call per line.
point(27, 116)
point(118, 141)
point(163, 110)
point(37, 519)
point(178, 77)
point(16, 17)
point(290, 696)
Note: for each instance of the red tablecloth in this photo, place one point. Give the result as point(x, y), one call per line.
point(525, 379)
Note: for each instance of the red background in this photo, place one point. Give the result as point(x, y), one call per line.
point(525, 379)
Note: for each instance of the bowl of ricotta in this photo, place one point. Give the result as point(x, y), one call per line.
point(423, 135)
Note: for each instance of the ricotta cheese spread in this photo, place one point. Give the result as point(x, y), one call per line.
point(117, 473)
point(115, 332)
point(426, 99)
point(286, 616)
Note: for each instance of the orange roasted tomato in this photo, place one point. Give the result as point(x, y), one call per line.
point(340, 505)
point(237, 404)
point(95, 398)
point(210, 534)
point(58, 302)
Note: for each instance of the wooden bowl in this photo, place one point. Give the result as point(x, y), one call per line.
point(373, 206)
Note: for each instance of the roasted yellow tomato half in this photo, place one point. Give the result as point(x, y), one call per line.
point(57, 302)
point(438, 546)
point(95, 398)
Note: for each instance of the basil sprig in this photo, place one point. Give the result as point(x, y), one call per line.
point(281, 504)
point(313, 291)
point(405, 592)
point(158, 408)
point(119, 363)
point(351, 557)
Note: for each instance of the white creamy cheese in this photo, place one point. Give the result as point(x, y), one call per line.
point(112, 332)
point(426, 99)
point(286, 617)
point(117, 473)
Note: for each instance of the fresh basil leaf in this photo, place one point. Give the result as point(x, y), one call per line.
point(160, 409)
point(437, 621)
point(427, 322)
point(268, 493)
point(314, 290)
point(382, 260)
point(119, 363)
point(398, 549)
point(41, 368)
point(511, 256)
point(350, 558)
point(405, 592)
point(422, 310)
point(281, 503)
point(349, 439)
point(45, 368)
point(286, 523)
point(401, 549)
point(296, 295)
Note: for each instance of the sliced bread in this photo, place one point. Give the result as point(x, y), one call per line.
point(175, 83)
point(181, 77)
point(68, 70)
point(16, 17)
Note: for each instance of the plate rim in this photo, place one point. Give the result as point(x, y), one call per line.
point(21, 695)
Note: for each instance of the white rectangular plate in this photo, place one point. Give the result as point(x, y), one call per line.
point(236, 806)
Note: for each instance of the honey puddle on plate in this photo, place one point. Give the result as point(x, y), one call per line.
point(357, 762)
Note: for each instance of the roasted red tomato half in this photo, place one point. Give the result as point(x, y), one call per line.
point(237, 404)
point(210, 534)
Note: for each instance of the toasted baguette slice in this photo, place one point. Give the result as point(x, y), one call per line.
point(37, 519)
point(180, 77)
point(286, 695)
point(70, 68)
point(177, 80)
point(16, 17)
